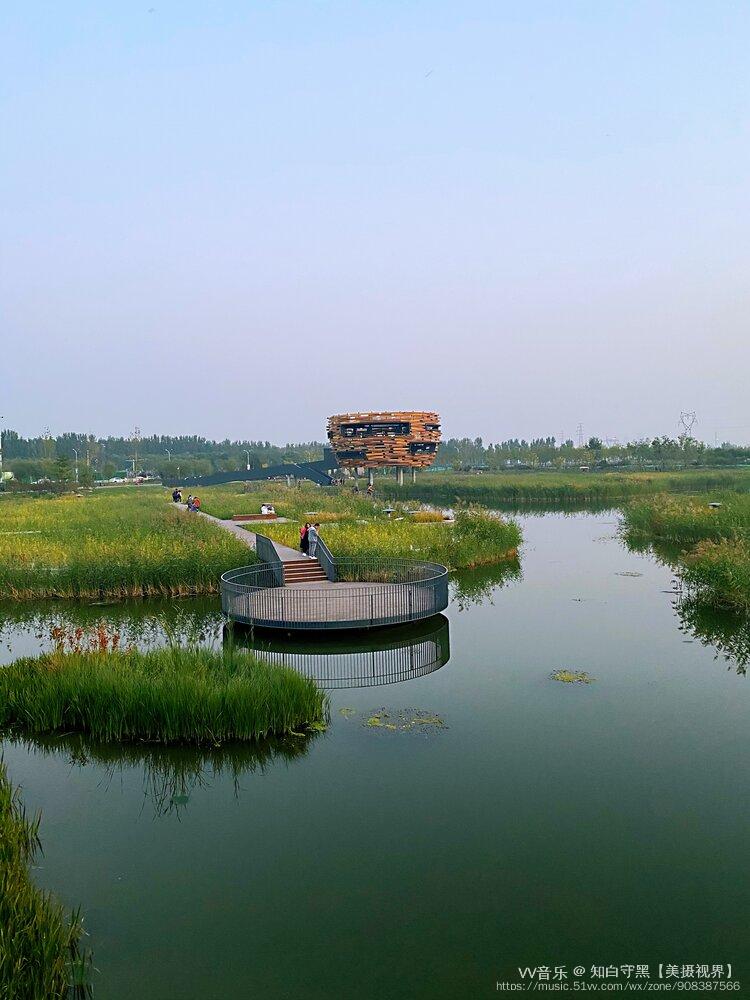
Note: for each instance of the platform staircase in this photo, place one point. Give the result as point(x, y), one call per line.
point(302, 571)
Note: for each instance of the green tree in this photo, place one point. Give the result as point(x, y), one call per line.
point(62, 469)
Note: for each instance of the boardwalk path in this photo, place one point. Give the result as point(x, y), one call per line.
point(248, 537)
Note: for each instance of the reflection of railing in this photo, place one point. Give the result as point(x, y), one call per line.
point(409, 652)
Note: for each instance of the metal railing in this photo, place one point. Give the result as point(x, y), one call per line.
point(366, 593)
point(326, 560)
point(266, 552)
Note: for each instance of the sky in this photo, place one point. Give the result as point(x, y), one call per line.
point(234, 218)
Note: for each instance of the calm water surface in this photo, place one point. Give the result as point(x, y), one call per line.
point(545, 824)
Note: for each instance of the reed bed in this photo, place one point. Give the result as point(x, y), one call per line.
point(296, 502)
point(686, 520)
point(449, 488)
point(170, 695)
point(721, 571)
point(129, 543)
point(476, 538)
point(40, 944)
point(710, 547)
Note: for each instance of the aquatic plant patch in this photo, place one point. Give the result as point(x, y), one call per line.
point(565, 676)
point(41, 955)
point(170, 695)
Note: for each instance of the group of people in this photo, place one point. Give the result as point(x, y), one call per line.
point(193, 503)
point(308, 539)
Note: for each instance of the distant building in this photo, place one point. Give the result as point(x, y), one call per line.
point(393, 439)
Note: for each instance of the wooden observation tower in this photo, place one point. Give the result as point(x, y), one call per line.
point(402, 439)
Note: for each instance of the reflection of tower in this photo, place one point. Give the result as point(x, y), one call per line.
point(361, 660)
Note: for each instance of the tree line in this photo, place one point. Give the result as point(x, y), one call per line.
point(54, 458)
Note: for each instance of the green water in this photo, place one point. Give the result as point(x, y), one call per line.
point(543, 824)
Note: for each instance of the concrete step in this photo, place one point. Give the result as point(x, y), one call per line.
point(299, 571)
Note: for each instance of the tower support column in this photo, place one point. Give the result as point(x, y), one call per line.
point(414, 474)
point(400, 476)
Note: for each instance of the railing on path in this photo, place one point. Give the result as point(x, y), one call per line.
point(268, 555)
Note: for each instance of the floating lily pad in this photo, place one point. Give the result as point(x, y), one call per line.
point(572, 676)
point(347, 712)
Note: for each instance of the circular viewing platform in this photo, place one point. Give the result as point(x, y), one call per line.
point(362, 594)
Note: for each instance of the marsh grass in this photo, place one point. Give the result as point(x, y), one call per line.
point(709, 547)
point(476, 538)
point(168, 695)
point(450, 488)
point(128, 543)
point(40, 944)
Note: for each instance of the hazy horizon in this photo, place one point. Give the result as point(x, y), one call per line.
point(233, 221)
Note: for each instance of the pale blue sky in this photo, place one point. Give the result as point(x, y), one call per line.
point(235, 218)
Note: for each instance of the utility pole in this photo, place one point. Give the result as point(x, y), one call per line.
point(75, 452)
point(136, 438)
point(247, 452)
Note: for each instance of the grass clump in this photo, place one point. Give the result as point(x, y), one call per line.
point(125, 543)
point(40, 952)
point(709, 546)
point(168, 695)
point(477, 537)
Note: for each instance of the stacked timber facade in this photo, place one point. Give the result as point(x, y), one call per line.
point(402, 439)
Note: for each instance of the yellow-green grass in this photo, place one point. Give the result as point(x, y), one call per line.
point(709, 546)
point(40, 952)
point(174, 694)
point(124, 543)
point(294, 502)
point(476, 538)
point(449, 488)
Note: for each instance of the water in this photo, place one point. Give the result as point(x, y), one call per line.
point(544, 823)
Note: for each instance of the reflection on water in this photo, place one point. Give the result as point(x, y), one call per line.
point(478, 586)
point(25, 629)
point(727, 631)
point(170, 773)
point(366, 659)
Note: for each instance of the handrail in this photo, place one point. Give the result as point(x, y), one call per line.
point(380, 591)
point(326, 560)
point(266, 552)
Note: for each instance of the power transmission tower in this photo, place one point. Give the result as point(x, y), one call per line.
point(687, 422)
point(579, 432)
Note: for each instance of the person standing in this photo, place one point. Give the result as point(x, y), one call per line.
point(312, 540)
point(303, 539)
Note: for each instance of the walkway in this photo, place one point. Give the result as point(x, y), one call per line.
point(248, 537)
